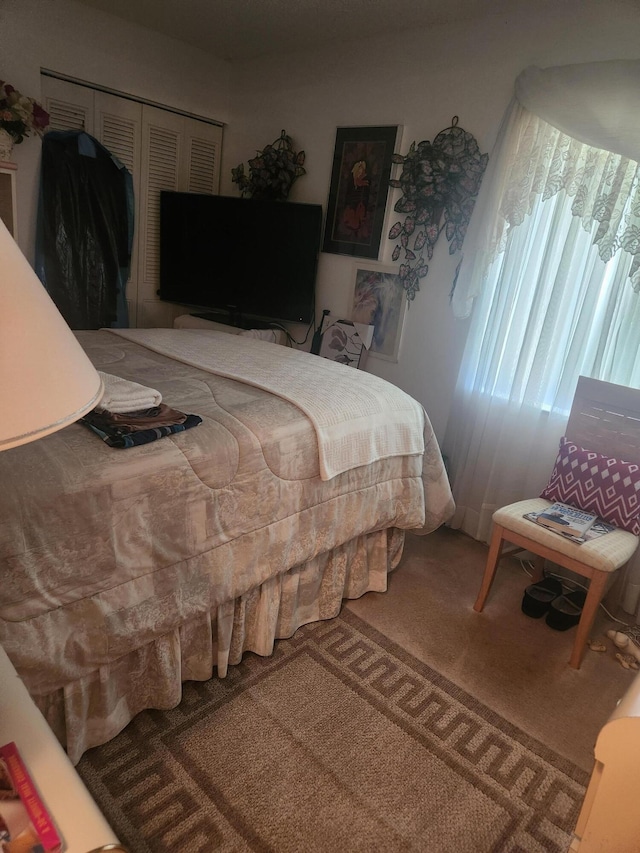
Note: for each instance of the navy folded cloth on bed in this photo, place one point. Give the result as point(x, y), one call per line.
point(156, 416)
point(119, 435)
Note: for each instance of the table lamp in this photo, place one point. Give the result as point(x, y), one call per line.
point(46, 379)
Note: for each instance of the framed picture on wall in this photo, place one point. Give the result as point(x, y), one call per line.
point(341, 342)
point(359, 190)
point(8, 197)
point(379, 299)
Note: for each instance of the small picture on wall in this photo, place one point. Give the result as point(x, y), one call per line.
point(342, 343)
point(379, 299)
point(359, 190)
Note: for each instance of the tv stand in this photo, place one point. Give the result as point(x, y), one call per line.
point(212, 317)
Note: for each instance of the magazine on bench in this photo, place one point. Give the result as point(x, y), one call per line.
point(25, 824)
point(570, 522)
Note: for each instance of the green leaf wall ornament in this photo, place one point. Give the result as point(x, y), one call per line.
point(439, 182)
point(272, 172)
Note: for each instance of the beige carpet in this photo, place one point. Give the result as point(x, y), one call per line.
point(340, 741)
point(516, 665)
point(408, 723)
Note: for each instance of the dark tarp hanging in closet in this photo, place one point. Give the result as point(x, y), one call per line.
point(85, 230)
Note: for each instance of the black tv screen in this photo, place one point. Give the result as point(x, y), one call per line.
point(239, 258)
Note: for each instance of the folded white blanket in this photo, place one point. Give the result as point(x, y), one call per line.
point(358, 417)
point(122, 395)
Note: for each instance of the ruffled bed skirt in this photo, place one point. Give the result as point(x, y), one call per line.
point(94, 709)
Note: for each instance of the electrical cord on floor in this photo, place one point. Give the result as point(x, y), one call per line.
point(528, 571)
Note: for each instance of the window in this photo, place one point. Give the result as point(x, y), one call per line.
point(551, 310)
point(555, 270)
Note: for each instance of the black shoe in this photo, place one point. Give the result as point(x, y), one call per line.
point(538, 597)
point(565, 611)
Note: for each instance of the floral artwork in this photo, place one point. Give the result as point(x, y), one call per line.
point(342, 343)
point(20, 116)
point(272, 172)
point(439, 181)
point(359, 190)
point(379, 300)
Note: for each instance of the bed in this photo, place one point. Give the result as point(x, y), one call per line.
point(128, 571)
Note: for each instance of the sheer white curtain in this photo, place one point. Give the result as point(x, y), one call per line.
point(551, 271)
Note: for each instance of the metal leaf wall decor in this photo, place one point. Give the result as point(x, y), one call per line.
point(272, 172)
point(439, 182)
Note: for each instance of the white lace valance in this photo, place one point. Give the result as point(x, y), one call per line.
point(535, 157)
point(604, 187)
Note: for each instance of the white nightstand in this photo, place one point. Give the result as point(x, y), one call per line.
point(77, 817)
point(609, 820)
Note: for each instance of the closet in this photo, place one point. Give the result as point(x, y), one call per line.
point(163, 150)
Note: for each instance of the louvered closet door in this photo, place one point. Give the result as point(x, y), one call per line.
point(162, 141)
point(70, 107)
point(119, 129)
point(201, 157)
point(162, 150)
point(178, 153)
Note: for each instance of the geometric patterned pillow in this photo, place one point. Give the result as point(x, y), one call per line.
point(596, 483)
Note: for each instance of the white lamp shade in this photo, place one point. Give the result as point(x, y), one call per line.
point(46, 378)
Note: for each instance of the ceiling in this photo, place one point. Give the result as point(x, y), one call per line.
point(245, 29)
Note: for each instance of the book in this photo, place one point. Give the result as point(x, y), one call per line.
point(25, 824)
point(598, 528)
point(571, 522)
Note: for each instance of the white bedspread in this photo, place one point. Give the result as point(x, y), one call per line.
point(375, 419)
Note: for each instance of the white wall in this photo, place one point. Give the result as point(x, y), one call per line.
point(420, 80)
point(72, 39)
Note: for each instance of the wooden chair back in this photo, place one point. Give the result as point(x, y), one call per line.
point(606, 418)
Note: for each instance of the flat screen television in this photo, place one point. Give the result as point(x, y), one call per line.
point(239, 260)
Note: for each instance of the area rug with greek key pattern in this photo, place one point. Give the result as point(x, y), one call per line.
point(340, 740)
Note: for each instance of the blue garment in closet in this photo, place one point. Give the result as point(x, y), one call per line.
point(85, 229)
